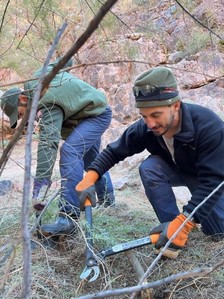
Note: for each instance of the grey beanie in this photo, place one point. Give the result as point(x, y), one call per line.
point(156, 87)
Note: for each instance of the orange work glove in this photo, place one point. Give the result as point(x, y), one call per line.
point(167, 229)
point(86, 189)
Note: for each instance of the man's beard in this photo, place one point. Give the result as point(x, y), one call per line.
point(167, 127)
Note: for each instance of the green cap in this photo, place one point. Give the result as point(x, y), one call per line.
point(9, 104)
point(156, 87)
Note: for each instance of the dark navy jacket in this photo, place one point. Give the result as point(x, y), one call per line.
point(198, 150)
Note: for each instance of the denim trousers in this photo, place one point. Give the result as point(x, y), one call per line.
point(158, 178)
point(76, 154)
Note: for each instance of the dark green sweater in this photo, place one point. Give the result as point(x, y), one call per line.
point(68, 101)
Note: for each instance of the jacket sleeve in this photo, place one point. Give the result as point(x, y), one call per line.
point(131, 142)
point(50, 135)
point(210, 165)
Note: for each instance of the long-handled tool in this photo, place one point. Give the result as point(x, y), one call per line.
point(127, 246)
point(91, 261)
point(92, 270)
point(169, 252)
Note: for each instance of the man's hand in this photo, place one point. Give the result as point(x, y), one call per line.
point(86, 189)
point(167, 229)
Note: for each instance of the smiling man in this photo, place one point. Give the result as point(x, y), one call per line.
point(186, 146)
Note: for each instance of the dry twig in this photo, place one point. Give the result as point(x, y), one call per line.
point(198, 272)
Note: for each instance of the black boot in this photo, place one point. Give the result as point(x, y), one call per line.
point(64, 225)
point(46, 242)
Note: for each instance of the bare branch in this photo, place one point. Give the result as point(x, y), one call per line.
point(41, 4)
point(120, 20)
point(94, 14)
point(27, 179)
point(175, 234)
point(4, 13)
point(212, 78)
point(198, 272)
point(196, 20)
point(93, 25)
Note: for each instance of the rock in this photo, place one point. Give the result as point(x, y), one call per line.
point(120, 183)
point(176, 57)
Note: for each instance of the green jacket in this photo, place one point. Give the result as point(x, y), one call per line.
point(68, 101)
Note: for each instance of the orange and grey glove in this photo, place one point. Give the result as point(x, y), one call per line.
point(167, 229)
point(86, 189)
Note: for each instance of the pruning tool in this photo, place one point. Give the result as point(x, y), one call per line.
point(92, 270)
point(128, 246)
point(91, 262)
point(152, 239)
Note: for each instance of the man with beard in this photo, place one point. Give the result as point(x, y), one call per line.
point(186, 146)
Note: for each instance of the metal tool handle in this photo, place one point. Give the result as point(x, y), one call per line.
point(125, 246)
point(38, 220)
point(92, 270)
point(90, 260)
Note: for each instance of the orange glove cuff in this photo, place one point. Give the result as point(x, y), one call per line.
point(176, 223)
point(89, 179)
point(189, 224)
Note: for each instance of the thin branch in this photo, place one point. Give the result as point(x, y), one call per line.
point(198, 272)
point(93, 25)
point(79, 66)
point(196, 20)
point(119, 19)
point(41, 4)
point(94, 15)
point(4, 14)
point(4, 277)
point(116, 62)
point(27, 179)
point(11, 42)
point(175, 234)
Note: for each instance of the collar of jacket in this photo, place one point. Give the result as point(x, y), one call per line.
point(187, 132)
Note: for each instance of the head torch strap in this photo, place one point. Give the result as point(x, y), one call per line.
point(154, 92)
point(157, 96)
point(156, 103)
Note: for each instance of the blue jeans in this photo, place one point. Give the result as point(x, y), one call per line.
point(158, 178)
point(76, 154)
